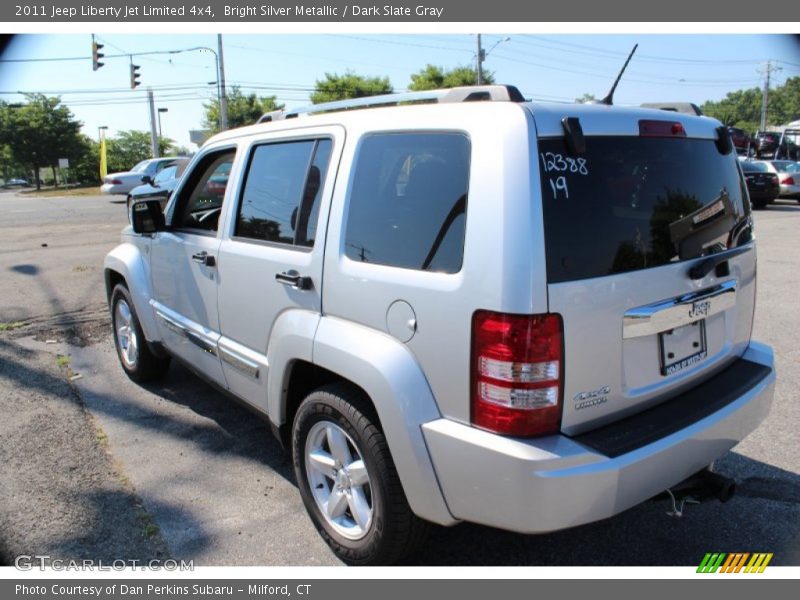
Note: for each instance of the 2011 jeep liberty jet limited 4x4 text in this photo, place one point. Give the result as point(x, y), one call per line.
point(528, 316)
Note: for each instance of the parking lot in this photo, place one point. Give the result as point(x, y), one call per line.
point(176, 469)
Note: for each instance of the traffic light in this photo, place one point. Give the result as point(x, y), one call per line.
point(134, 76)
point(96, 56)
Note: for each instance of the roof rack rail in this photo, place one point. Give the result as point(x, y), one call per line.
point(476, 93)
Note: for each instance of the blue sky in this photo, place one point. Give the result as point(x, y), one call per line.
point(690, 68)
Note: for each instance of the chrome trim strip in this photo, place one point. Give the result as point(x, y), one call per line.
point(239, 362)
point(171, 323)
point(669, 314)
point(199, 341)
point(204, 342)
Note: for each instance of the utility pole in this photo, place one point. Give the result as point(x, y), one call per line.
point(479, 56)
point(223, 99)
point(767, 70)
point(153, 133)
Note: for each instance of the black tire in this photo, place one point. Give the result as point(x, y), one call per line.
point(394, 532)
point(144, 365)
point(759, 204)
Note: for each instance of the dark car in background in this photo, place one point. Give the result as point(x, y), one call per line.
point(774, 144)
point(744, 144)
point(161, 187)
point(762, 184)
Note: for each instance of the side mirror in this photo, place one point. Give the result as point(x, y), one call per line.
point(146, 179)
point(147, 217)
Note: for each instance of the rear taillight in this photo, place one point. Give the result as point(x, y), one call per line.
point(517, 363)
point(788, 181)
point(116, 181)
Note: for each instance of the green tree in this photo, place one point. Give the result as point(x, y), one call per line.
point(435, 78)
point(741, 108)
point(127, 148)
point(585, 99)
point(341, 87)
point(243, 109)
point(39, 132)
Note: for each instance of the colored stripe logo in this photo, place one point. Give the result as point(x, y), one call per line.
point(735, 562)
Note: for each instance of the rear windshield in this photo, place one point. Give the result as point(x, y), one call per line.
point(753, 167)
point(632, 203)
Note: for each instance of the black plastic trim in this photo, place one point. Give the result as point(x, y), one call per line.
point(634, 432)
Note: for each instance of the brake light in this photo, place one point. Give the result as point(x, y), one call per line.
point(116, 181)
point(788, 181)
point(517, 363)
point(653, 128)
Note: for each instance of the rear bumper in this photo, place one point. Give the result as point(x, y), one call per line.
point(546, 484)
point(111, 188)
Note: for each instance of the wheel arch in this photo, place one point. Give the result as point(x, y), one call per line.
point(387, 373)
point(125, 264)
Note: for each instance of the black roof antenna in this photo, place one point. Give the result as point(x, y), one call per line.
point(609, 99)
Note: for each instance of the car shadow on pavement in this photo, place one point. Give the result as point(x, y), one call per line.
point(763, 516)
point(235, 429)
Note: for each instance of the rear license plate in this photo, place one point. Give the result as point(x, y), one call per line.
point(682, 347)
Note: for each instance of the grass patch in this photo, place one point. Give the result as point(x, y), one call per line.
point(76, 191)
point(11, 326)
point(62, 360)
point(149, 528)
point(80, 268)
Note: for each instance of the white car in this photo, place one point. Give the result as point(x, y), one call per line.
point(124, 182)
point(788, 176)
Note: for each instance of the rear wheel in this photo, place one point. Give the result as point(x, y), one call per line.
point(135, 356)
point(348, 481)
point(759, 204)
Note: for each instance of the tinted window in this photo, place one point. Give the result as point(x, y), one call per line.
point(633, 203)
point(201, 199)
point(408, 201)
point(751, 167)
point(166, 174)
point(280, 200)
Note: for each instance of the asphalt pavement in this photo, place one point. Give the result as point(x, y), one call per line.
point(221, 490)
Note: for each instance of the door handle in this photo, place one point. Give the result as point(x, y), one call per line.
point(204, 258)
point(294, 279)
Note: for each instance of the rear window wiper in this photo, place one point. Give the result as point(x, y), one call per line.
point(704, 267)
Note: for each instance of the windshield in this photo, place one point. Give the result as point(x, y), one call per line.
point(140, 167)
point(633, 203)
point(166, 174)
point(785, 166)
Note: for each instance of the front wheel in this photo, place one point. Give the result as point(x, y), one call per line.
point(135, 356)
point(348, 481)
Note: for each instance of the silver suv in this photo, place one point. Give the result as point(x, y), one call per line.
point(529, 316)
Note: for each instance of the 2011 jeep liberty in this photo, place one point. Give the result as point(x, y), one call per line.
point(529, 316)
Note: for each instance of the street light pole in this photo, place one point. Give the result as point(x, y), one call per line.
point(161, 110)
point(220, 88)
point(223, 99)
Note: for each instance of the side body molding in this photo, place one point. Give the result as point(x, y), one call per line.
point(391, 376)
point(127, 260)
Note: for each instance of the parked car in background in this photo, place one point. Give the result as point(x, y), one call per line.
point(762, 184)
point(774, 144)
point(124, 182)
point(161, 186)
point(744, 144)
point(788, 172)
point(16, 183)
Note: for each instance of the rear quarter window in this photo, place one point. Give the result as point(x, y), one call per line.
point(408, 201)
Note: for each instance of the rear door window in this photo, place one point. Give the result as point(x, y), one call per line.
point(633, 203)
